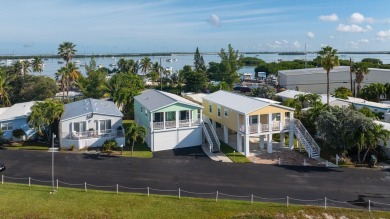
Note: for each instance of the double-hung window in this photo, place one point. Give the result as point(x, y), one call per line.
point(105, 126)
point(6, 126)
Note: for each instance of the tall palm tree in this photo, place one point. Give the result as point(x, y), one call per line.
point(134, 132)
point(73, 74)
point(37, 64)
point(25, 67)
point(146, 65)
point(67, 50)
point(61, 77)
point(314, 99)
point(329, 60)
point(302, 98)
point(360, 69)
point(374, 137)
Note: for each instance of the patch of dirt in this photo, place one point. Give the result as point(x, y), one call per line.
point(327, 216)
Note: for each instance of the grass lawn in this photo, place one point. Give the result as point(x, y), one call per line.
point(26, 146)
point(21, 201)
point(236, 157)
point(140, 149)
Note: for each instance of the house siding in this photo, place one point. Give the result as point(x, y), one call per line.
point(20, 123)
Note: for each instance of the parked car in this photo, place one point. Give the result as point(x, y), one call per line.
point(2, 167)
point(245, 89)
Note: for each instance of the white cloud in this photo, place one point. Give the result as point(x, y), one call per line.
point(353, 28)
point(296, 44)
point(353, 44)
point(310, 34)
point(383, 34)
point(285, 41)
point(359, 18)
point(332, 17)
point(363, 41)
point(332, 37)
point(215, 20)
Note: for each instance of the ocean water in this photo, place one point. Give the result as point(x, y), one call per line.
point(178, 61)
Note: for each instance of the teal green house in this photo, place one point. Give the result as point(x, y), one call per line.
point(170, 120)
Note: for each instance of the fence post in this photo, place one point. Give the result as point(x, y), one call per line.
point(117, 189)
point(179, 193)
point(57, 183)
point(216, 197)
point(287, 201)
point(29, 181)
point(325, 202)
point(252, 199)
point(280, 162)
point(85, 186)
point(148, 190)
point(2, 179)
point(369, 205)
point(304, 162)
point(326, 164)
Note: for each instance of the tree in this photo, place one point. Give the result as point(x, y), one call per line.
point(25, 68)
point(4, 88)
point(73, 74)
point(199, 62)
point(44, 115)
point(373, 92)
point(367, 112)
point(37, 64)
point(372, 61)
point(135, 132)
point(195, 81)
point(342, 93)
point(265, 91)
point(61, 77)
point(38, 88)
point(146, 65)
point(230, 64)
point(375, 136)
point(67, 50)
point(94, 85)
point(387, 91)
point(329, 60)
point(360, 69)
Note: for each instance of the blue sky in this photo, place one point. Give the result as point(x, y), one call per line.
point(116, 26)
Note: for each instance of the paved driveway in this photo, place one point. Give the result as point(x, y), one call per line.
point(202, 175)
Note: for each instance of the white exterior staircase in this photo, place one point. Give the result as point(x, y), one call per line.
point(304, 137)
point(211, 135)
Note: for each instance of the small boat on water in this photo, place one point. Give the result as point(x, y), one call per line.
point(169, 69)
point(100, 66)
point(169, 60)
point(82, 64)
point(46, 59)
point(60, 62)
point(112, 64)
point(175, 60)
point(77, 62)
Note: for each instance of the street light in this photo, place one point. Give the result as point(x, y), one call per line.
point(52, 164)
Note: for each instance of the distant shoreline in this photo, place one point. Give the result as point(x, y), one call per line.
point(168, 54)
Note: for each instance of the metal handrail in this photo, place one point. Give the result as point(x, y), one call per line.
point(206, 119)
point(307, 135)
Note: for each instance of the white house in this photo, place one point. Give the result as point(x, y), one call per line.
point(89, 123)
point(15, 117)
point(170, 120)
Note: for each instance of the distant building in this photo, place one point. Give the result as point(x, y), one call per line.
point(313, 80)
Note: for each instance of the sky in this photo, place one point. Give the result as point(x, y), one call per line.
point(129, 26)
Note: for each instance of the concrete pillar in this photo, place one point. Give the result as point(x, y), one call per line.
point(239, 142)
point(201, 116)
point(163, 120)
point(282, 139)
point(269, 143)
point(177, 119)
point(262, 142)
point(291, 134)
point(258, 124)
point(246, 146)
point(246, 124)
point(270, 122)
point(225, 135)
point(190, 117)
point(214, 125)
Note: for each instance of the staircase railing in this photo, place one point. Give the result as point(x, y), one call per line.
point(298, 124)
point(206, 119)
point(208, 137)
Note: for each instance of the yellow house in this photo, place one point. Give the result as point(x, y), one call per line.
point(249, 117)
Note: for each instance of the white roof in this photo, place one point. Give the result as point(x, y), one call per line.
point(19, 110)
point(197, 97)
point(309, 71)
point(368, 103)
point(267, 100)
point(239, 103)
point(289, 94)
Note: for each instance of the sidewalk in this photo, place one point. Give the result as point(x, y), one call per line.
point(221, 157)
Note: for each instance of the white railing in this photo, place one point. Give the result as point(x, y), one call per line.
point(170, 124)
point(276, 125)
point(92, 134)
point(158, 125)
point(184, 123)
point(196, 122)
point(254, 128)
point(313, 144)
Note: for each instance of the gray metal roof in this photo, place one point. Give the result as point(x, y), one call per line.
point(87, 106)
point(16, 111)
point(153, 100)
point(309, 71)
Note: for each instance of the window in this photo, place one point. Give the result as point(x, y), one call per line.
point(253, 120)
point(276, 117)
point(210, 108)
point(226, 112)
point(170, 116)
point(184, 115)
point(105, 125)
point(6, 126)
point(80, 126)
point(219, 111)
point(142, 109)
point(158, 117)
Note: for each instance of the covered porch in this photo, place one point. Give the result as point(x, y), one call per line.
point(176, 119)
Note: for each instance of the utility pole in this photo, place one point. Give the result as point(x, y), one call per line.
point(350, 74)
point(159, 69)
point(305, 56)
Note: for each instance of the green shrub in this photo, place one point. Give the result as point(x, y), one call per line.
point(18, 133)
point(109, 144)
point(71, 148)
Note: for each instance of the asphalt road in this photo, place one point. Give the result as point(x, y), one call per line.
point(198, 174)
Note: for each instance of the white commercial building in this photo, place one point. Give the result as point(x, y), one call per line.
point(313, 80)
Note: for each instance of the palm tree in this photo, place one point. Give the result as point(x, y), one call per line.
point(45, 114)
point(302, 98)
point(73, 74)
point(134, 132)
point(61, 77)
point(67, 50)
point(374, 137)
point(146, 65)
point(37, 64)
point(360, 69)
point(4, 90)
point(329, 60)
point(25, 67)
point(314, 99)
point(373, 92)
point(387, 91)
